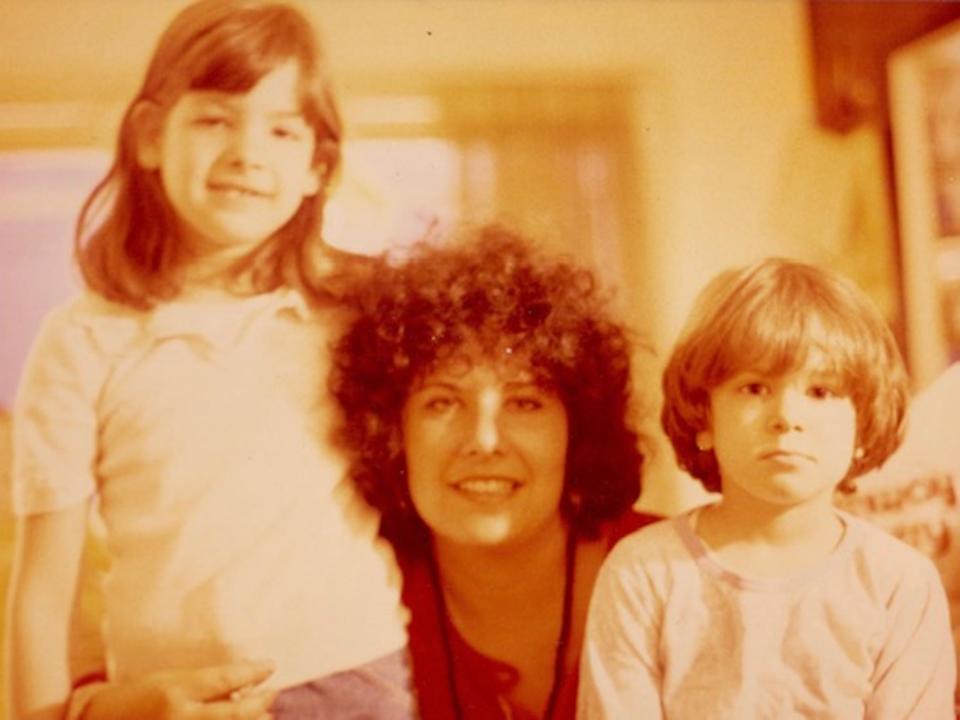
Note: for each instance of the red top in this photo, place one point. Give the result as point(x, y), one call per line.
point(482, 682)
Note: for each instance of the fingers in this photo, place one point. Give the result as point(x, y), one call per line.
point(224, 682)
point(224, 692)
point(255, 706)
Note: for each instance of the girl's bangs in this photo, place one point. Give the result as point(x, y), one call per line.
point(234, 63)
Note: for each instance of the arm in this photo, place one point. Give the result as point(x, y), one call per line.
point(619, 667)
point(55, 432)
point(226, 691)
point(42, 591)
point(915, 675)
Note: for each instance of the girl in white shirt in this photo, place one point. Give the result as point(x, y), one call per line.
point(180, 392)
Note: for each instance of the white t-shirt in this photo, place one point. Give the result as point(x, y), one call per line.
point(202, 430)
point(673, 634)
point(915, 496)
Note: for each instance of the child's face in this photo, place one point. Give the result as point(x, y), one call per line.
point(486, 453)
point(235, 167)
point(783, 440)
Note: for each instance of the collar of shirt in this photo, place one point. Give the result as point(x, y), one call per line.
point(216, 320)
point(219, 319)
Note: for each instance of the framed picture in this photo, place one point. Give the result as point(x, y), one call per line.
point(925, 114)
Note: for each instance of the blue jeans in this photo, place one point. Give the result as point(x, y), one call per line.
point(379, 690)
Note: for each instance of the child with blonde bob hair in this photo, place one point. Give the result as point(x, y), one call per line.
point(771, 316)
point(785, 384)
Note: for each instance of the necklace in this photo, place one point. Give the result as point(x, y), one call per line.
point(563, 639)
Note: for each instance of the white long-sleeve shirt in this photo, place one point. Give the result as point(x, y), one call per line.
point(671, 633)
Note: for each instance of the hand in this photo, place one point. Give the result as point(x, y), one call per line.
point(222, 692)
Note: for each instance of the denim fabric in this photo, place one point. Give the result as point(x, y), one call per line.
point(380, 690)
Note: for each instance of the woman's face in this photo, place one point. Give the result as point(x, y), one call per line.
point(486, 450)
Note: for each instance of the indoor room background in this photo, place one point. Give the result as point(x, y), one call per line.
point(657, 140)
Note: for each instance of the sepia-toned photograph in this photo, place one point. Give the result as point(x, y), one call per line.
point(479, 359)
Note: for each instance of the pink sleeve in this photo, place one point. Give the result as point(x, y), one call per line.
point(915, 675)
point(620, 669)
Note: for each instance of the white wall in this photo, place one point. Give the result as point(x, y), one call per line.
point(720, 86)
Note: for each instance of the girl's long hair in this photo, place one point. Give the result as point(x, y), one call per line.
point(127, 242)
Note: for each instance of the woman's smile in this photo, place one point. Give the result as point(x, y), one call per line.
point(486, 451)
point(487, 488)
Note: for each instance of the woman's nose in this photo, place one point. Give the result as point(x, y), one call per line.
point(485, 435)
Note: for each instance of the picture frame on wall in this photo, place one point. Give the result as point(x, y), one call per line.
point(924, 80)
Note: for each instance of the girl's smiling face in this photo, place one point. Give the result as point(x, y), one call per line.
point(235, 167)
point(785, 439)
point(486, 453)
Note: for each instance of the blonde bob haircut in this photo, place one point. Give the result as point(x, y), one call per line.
point(766, 317)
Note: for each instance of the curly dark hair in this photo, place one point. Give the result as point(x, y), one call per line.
point(489, 289)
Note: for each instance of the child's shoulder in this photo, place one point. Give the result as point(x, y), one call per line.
point(885, 557)
point(626, 524)
point(88, 320)
point(87, 304)
point(660, 539)
point(651, 560)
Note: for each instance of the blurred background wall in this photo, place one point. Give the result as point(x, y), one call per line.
point(644, 137)
point(658, 140)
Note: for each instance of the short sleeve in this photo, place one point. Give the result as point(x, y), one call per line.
point(54, 421)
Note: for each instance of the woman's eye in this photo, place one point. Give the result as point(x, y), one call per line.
point(438, 404)
point(525, 404)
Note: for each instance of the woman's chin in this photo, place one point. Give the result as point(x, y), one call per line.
point(489, 530)
point(495, 531)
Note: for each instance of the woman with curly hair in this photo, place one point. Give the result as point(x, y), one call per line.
point(485, 394)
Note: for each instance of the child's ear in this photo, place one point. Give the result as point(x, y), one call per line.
point(147, 121)
point(704, 440)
